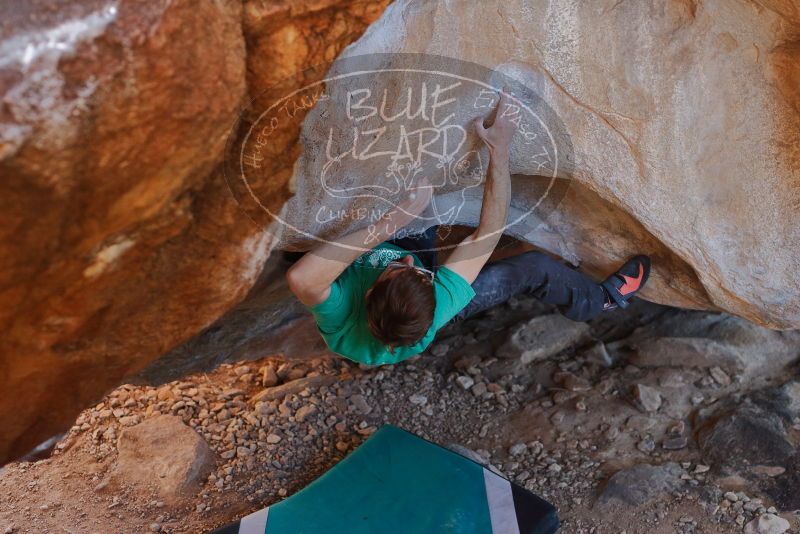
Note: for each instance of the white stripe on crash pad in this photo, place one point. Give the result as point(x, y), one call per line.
point(501, 504)
point(255, 523)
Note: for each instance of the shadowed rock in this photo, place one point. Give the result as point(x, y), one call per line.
point(699, 171)
point(543, 337)
point(638, 485)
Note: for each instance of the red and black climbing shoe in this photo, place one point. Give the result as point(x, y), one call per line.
point(626, 282)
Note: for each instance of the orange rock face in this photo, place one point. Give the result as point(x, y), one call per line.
point(119, 237)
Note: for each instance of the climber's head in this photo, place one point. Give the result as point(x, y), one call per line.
point(400, 304)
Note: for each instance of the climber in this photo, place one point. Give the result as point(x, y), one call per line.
point(385, 305)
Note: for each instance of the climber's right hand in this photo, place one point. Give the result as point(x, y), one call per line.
point(496, 129)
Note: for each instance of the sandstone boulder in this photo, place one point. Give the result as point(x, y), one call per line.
point(120, 237)
point(114, 116)
point(164, 452)
point(662, 148)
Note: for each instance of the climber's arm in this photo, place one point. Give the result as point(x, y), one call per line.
point(472, 253)
point(311, 277)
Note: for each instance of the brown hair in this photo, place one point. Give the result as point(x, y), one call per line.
point(400, 308)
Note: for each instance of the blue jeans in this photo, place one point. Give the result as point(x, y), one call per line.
point(578, 297)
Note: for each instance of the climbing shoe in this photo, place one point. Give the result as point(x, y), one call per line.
point(621, 286)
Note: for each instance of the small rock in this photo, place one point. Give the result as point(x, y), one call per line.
point(767, 524)
point(554, 468)
point(360, 404)
point(129, 420)
point(676, 443)
point(418, 400)
point(229, 393)
point(752, 506)
point(479, 389)
point(647, 399)
point(720, 376)
point(272, 439)
point(647, 444)
point(294, 373)
point(575, 383)
point(465, 381)
point(640, 423)
point(517, 449)
point(155, 527)
point(243, 370)
point(269, 377)
point(768, 470)
point(731, 496)
point(700, 468)
point(560, 397)
point(341, 446)
point(304, 412)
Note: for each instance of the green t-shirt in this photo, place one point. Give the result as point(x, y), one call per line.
point(342, 318)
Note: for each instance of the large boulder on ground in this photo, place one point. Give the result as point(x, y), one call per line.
point(756, 438)
point(164, 452)
point(665, 150)
point(542, 337)
point(639, 484)
point(119, 238)
point(707, 340)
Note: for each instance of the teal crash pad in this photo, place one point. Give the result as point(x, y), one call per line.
point(398, 482)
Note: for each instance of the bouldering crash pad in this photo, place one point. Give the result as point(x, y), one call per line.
point(398, 482)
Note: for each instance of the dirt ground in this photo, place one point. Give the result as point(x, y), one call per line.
point(561, 426)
